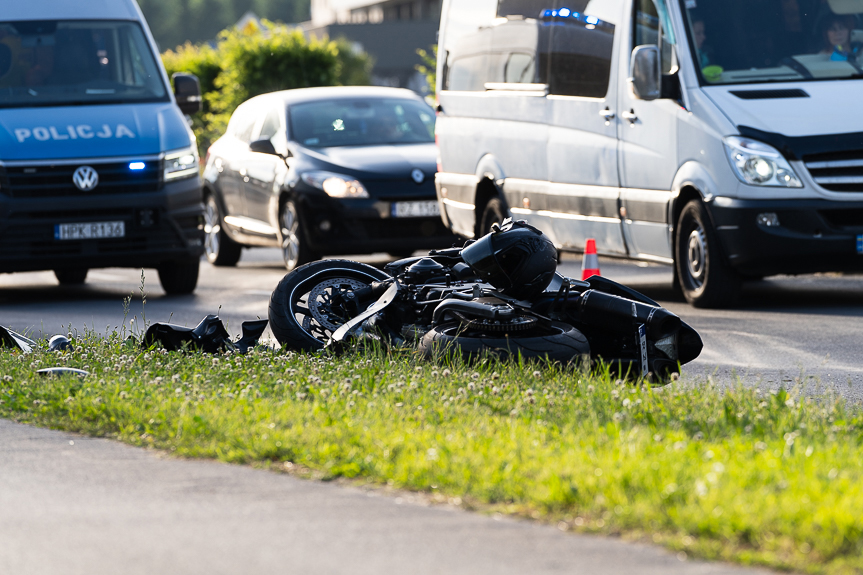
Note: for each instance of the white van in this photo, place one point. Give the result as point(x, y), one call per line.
point(722, 136)
point(98, 165)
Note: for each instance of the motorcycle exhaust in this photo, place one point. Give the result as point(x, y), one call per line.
point(610, 312)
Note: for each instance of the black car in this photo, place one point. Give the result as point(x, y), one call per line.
point(325, 171)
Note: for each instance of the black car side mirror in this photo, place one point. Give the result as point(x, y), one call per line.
point(187, 90)
point(263, 147)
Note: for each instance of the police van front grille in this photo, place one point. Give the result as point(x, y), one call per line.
point(837, 172)
point(52, 181)
point(31, 236)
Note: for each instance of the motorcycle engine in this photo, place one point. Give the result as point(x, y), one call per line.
point(424, 270)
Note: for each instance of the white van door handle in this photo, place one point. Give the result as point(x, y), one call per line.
point(631, 116)
point(607, 114)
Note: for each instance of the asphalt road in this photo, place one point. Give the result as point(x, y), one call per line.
point(784, 330)
point(72, 505)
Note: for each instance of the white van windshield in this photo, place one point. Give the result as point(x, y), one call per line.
point(76, 62)
point(756, 41)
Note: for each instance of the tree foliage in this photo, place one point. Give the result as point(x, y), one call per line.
point(428, 68)
point(253, 61)
point(175, 22)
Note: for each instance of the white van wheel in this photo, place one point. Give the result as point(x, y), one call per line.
point(494, 213)
point(703, 276)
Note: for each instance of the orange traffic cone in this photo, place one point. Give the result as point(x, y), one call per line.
point(590, 263)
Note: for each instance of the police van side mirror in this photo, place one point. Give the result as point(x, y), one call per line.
point(187, 90)
point(644, 75)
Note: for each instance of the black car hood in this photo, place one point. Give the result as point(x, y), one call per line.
point(395, 160)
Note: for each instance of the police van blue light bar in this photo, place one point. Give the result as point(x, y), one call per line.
point(137, 166)
point(569, 14)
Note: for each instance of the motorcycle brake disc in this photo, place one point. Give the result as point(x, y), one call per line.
point(322, 306)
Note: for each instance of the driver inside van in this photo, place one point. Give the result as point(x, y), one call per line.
point(836, 38)
point(699, 35)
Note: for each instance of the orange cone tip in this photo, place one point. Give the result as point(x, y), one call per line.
point(590, 263)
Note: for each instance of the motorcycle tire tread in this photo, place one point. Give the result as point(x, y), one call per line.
point(567, 346)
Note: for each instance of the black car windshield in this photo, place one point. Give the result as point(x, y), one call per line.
point(751, 41)
point(361, 122)
point(76, 62)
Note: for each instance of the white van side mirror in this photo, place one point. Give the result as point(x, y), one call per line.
point(644, 75)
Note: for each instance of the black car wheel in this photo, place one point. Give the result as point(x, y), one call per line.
point(295, 252)
point(220, 249)
point(494, 213)
point(705, 279)
point(73, 277)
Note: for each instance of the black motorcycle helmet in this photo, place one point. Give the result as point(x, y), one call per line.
point(516, 258)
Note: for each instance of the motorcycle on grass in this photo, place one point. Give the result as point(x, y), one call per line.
point(500, 295)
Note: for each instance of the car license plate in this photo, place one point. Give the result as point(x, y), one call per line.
point(90, 231)
point(416, 209)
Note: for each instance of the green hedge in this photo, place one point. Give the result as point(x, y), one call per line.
point(246, 63)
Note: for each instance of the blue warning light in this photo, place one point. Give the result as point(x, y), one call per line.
point(592, 20)
point(137, 166)
point(564, 12)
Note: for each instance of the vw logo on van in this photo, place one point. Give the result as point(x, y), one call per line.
point(418, 176)
point(85, 178)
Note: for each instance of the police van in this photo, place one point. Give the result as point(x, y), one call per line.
point(98, 165)
point(720, 136)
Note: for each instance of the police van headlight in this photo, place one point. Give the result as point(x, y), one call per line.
point(181, 164)
point(758, 164)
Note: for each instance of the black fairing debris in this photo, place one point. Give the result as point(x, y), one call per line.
point(209, 336)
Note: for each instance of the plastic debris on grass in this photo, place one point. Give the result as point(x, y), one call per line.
point(9, 338)
point(209, 336)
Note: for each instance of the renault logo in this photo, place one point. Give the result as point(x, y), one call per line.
point(418, 176)
point(85, 178)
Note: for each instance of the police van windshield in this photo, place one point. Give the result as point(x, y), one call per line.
point(76, 62)
point(755, 41)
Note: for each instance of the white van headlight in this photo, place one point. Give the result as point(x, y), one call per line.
point(181, 164)
point(336, 185)
point(758, 164)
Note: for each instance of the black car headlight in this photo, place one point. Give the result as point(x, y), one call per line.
point(336, 185)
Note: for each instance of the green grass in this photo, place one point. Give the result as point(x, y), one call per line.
point(746, 475)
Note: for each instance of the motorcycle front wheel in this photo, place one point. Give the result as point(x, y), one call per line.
point(559, 343)
point(307, 306)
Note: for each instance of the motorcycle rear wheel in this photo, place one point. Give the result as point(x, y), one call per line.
point(303, 314)
point(562, 343)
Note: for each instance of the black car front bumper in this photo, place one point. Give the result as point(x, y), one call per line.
point(367, 225)
point(812, 236)
point(160, 226)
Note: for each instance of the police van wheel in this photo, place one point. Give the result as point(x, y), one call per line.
point(494, 213)
point(705, 279)
point(221, 250)
point(179, 277)
point(74, 277)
